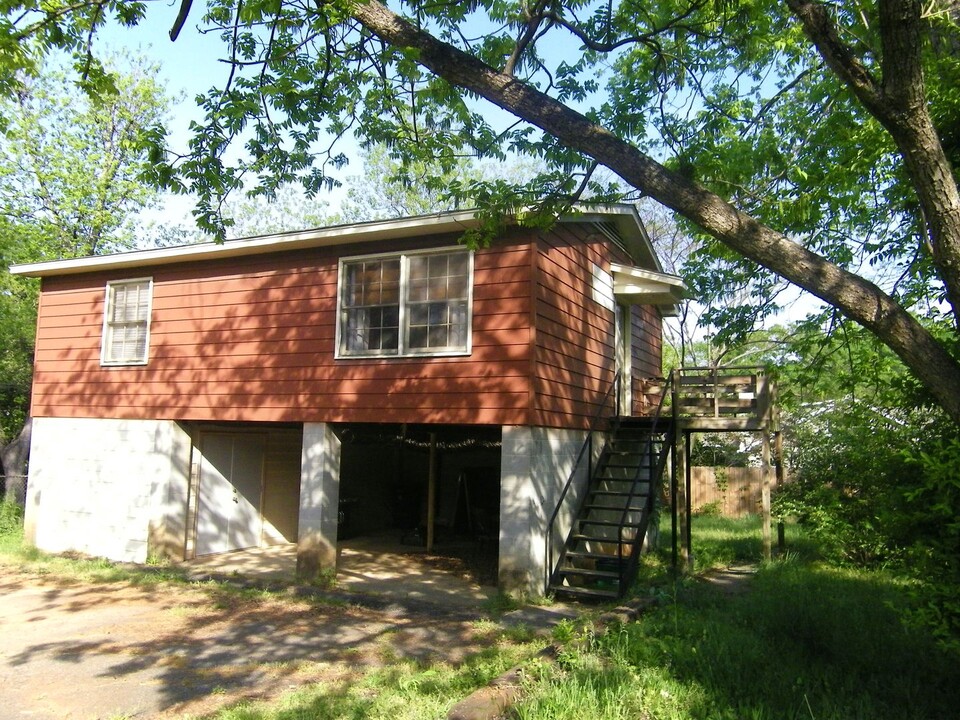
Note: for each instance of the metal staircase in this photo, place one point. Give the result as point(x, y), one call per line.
point(594, 536)
point(599, 558)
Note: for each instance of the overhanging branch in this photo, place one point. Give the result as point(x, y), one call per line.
point(853, 295)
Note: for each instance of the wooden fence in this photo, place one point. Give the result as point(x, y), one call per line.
point(730, 492)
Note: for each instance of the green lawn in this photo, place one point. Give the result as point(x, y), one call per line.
point(803, 640)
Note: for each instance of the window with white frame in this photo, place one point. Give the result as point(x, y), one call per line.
point(126, 322)
point(405, 304)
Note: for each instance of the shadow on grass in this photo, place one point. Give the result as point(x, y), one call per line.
point(401, 691)
point(803, 642)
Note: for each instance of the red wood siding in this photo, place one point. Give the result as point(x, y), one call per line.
point(574, 354)
point(252, 339)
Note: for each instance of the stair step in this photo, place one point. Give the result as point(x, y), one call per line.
point(626, 460)
point(603, 474)
point(599, 494)
point(625, 465)
point(607, 523)
point(589, 572)
point(577, 537)
point(582, 537)
point(586, 592)
point(614, 508)
point(584, 555)
point(619, 493)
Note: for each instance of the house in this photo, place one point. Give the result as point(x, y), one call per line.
point(353, 379)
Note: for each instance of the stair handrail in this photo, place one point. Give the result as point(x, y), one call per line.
point(549, 565)
point(656, 466)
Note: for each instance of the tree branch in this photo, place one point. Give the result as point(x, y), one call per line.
point(819, 27)
point(534, 19)
point(899, 104)
point(856, 297)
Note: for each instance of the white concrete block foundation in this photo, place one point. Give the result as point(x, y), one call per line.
point(534, 466)
point(104, 487)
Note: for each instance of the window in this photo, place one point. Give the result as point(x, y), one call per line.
point(126, 322)
point(411, 304)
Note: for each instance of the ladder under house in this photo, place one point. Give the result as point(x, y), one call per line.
point(606, 512)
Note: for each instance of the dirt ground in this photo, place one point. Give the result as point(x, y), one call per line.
point(85, 650)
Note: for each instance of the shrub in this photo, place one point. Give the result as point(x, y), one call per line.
point(846, 465)
point(881, 487)
point(11, 519)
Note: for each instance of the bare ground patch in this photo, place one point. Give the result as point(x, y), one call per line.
point(83, 650)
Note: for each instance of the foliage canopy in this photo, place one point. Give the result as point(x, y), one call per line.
point(809, 141)
point(71, 185)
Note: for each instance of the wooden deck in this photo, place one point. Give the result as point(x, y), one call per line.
point(723, 399)
point(732, 399)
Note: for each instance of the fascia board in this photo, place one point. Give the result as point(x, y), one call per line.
point(322, 237)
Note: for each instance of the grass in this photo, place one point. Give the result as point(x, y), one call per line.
point(803, 642)
point(722, 542)
point(404, 690)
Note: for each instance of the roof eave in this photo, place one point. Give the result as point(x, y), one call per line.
point(321, 237)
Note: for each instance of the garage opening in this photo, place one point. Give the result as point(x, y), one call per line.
point(432, 490)
point(245, 487)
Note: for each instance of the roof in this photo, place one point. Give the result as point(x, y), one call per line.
point(633, 285)
point(621, 223)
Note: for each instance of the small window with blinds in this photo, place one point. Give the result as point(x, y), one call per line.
point(126, 322)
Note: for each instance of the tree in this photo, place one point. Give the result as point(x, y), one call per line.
point(390, 188)
point(726, 90)
point(71, 165)
point(287, 210)
point(70, 185)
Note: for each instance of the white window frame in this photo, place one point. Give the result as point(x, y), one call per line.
point(403, 349)
point(108, 327)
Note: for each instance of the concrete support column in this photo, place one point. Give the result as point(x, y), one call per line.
point(167, 530)
point(319, 501)
point(534, 466)
point(521, 562)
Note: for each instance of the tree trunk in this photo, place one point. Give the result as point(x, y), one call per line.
point(899, 102)
point(14, 458)
point(857, 298)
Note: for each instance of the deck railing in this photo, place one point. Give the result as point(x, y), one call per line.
point(718, 392)
point(721, 392)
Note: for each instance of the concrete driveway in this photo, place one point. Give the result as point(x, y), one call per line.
point(84, 650)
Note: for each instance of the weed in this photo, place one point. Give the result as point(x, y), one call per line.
point(502, 603)
point(564, 631)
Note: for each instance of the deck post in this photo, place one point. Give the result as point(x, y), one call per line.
point(781, 470)
point(432, 492)
point(688, 503)
point(765, 495)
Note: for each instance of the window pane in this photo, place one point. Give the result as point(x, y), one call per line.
point(374, 282)
point(433, 303)
point(438, 326)
point(371, 330)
